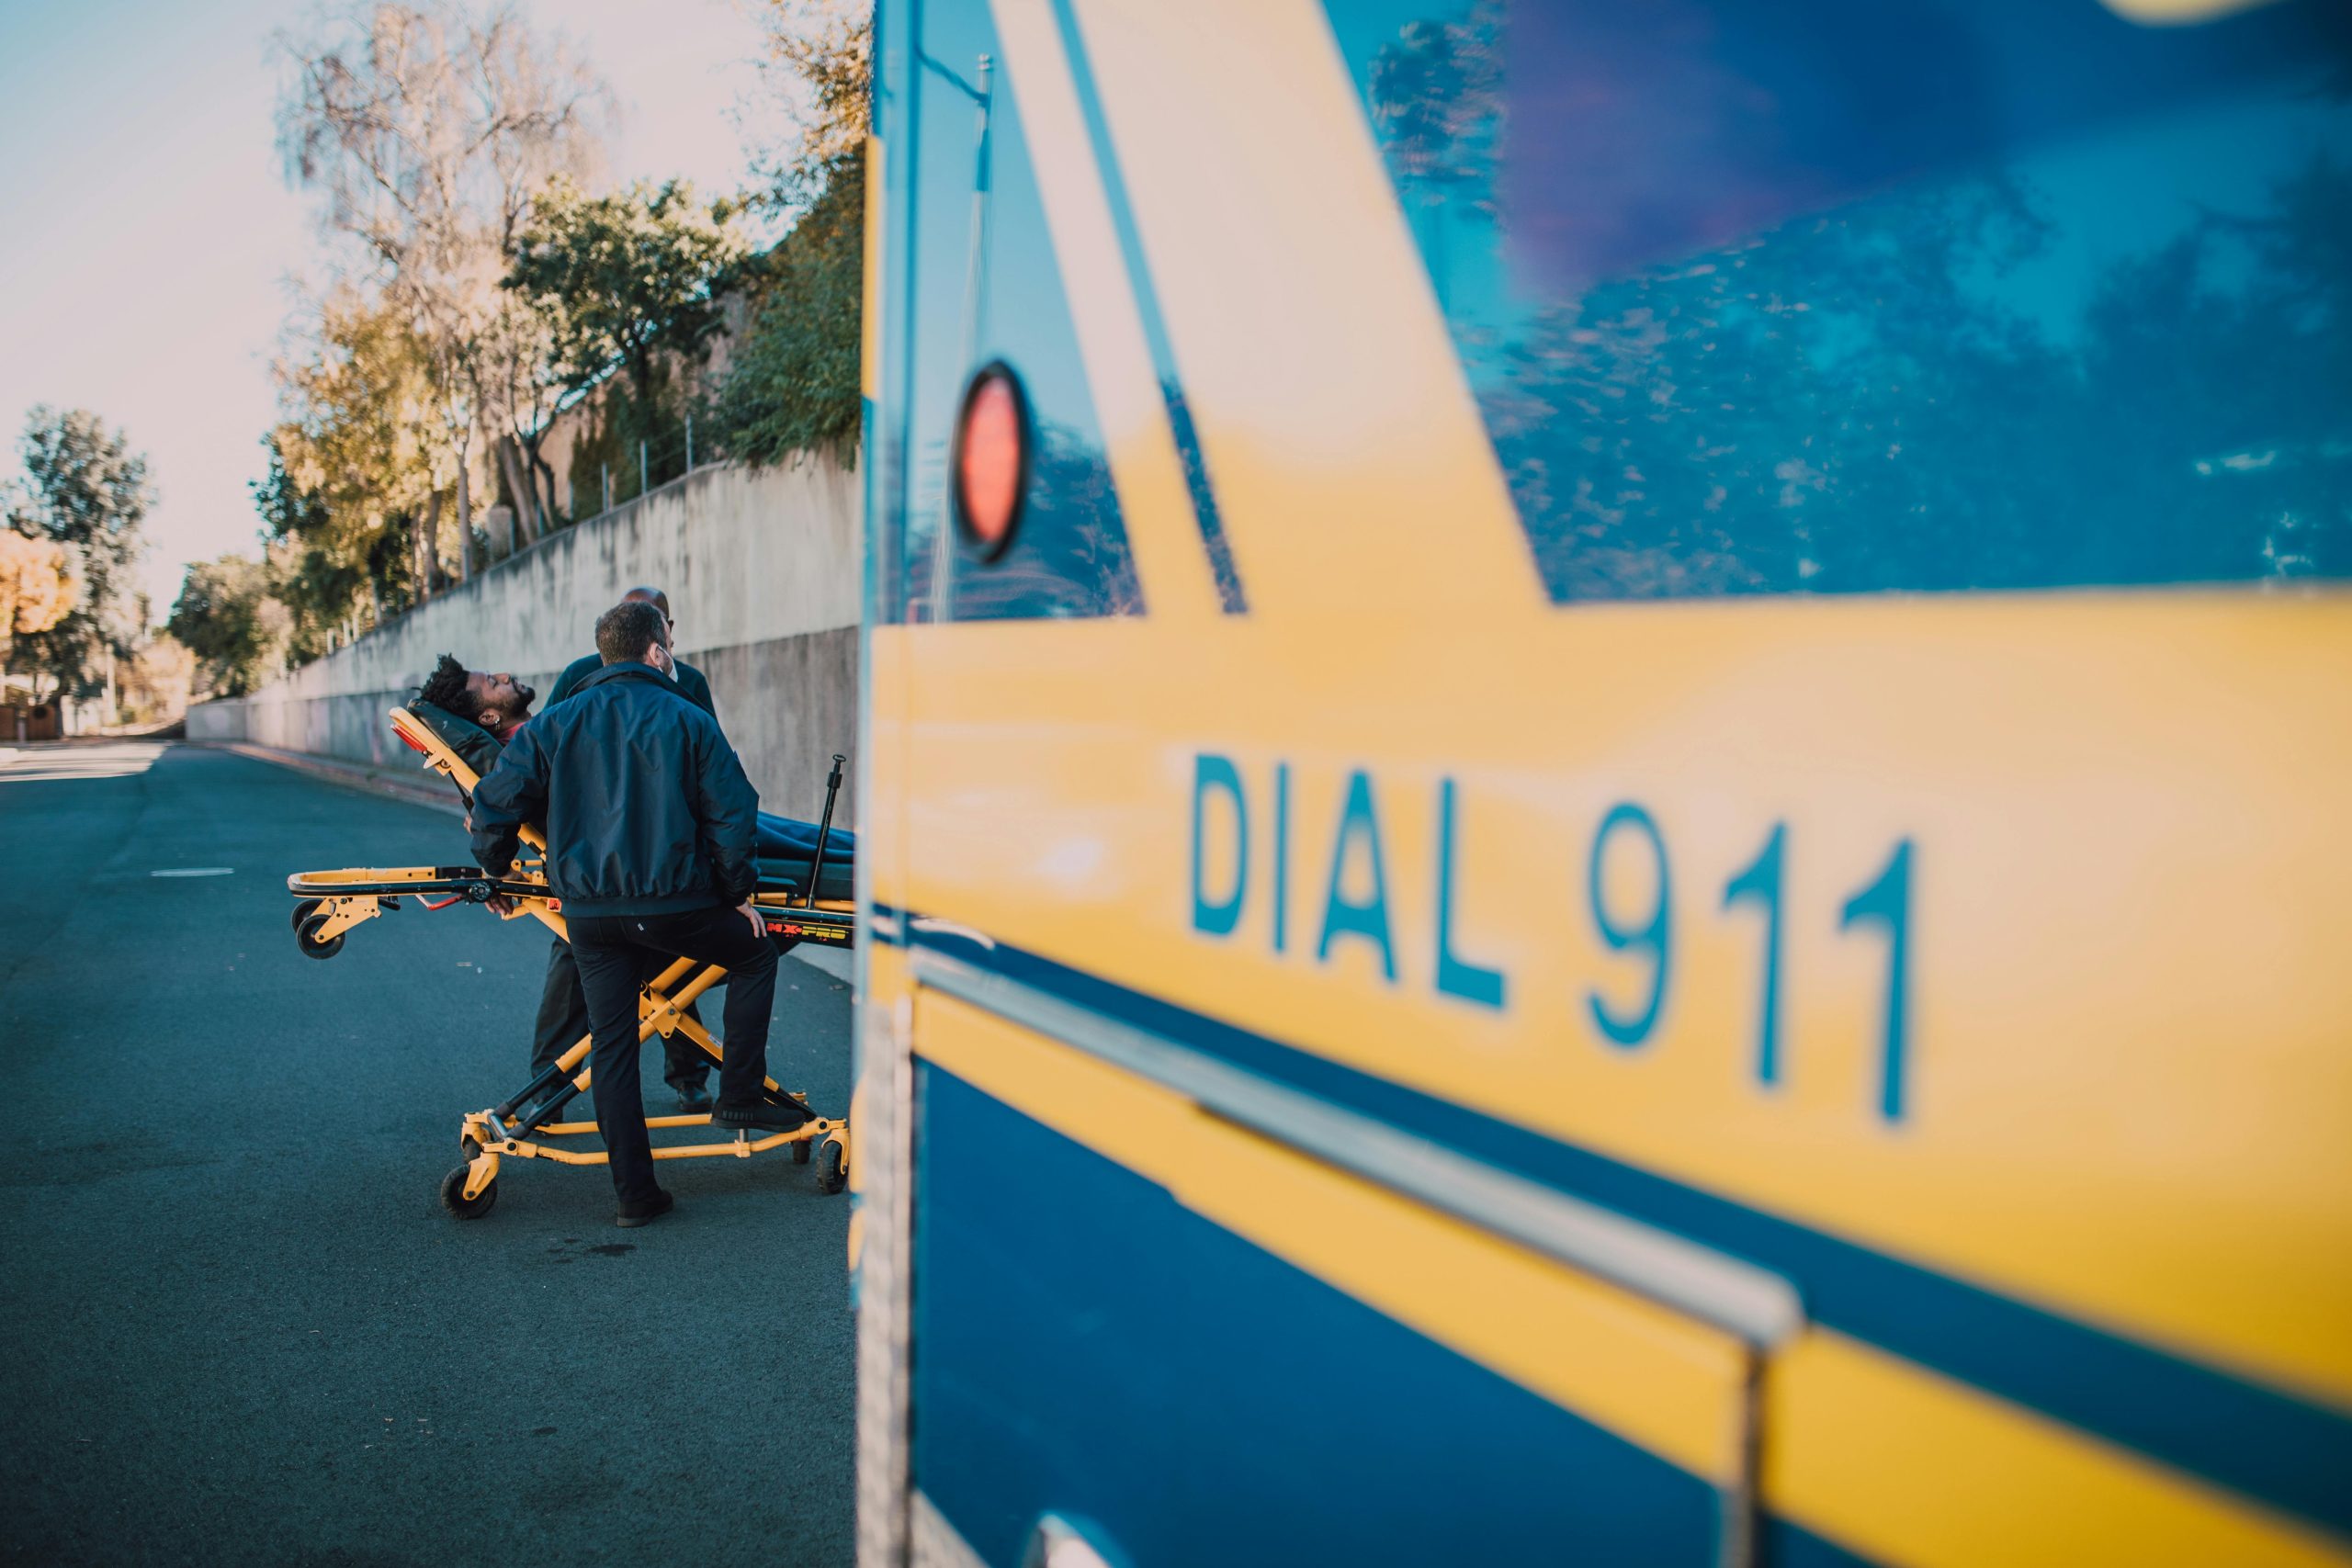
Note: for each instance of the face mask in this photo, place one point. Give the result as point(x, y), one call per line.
point(669, 665)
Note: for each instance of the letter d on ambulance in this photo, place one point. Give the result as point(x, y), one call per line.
point(1218, 917)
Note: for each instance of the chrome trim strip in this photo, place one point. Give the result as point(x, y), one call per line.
point(1758, 1307)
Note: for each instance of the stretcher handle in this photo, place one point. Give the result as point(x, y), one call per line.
point(824, 832)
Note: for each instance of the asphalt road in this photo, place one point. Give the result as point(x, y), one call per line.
point(236, 1325)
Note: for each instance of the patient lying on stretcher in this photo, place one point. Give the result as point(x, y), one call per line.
point(786, 848)
point(786, 844)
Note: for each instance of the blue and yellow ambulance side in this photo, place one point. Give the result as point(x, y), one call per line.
point(1605, 790)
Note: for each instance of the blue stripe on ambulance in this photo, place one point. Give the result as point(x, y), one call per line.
point(2263, 1443)
point(1060, 1300)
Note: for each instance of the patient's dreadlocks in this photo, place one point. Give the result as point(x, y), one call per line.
point(446, 687)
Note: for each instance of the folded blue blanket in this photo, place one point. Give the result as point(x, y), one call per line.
point(786, 845)
point(783, 838)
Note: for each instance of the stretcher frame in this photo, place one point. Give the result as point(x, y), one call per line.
point(332, 903)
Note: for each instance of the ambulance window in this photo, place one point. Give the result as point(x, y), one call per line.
point(1839, 296)
point(988, 288)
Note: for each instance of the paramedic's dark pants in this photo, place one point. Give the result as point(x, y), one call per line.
point(563, 1019)
point(610, 951)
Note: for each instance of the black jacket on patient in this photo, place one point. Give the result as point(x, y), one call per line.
point(615, 846)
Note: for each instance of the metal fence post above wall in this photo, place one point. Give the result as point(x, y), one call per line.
point(690, 444)
point(608, 486)
point(644, 470)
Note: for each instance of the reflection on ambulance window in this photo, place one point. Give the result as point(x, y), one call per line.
point(988, 286)
point(1835, 295)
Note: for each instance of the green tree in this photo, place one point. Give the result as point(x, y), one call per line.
point(626, 283)
point(793, 383)
point(229, 617)
point(352, 485)
point(336, 577)
point(87, 491)
point(821, 68)
point(424, 130)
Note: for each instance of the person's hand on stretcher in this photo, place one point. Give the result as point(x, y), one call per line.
point(505, 907)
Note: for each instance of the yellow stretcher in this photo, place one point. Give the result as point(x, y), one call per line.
point(333, 903)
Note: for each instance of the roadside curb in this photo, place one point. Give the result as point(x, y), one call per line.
point(367, 777)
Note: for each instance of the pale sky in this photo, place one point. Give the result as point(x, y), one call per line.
point(147, 231)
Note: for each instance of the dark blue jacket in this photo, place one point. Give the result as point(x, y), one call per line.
point(647, 807)
point(690, 682)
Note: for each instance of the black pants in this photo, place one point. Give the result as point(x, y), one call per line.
point(610, 952)
point(563, 1019)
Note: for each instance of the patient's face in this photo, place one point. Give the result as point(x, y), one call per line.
point(501, 696)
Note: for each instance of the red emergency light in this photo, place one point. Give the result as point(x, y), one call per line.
point(991, 464)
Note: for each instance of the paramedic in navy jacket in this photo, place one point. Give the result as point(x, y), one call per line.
point(563, 1011)
point(651, 837)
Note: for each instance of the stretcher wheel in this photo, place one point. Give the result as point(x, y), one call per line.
point(454, 1198)
point(800, 1152)
point(833, 1174)
point(304, 909)
point(306, 937)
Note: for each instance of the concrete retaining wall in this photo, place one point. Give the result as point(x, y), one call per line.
point(762, 570)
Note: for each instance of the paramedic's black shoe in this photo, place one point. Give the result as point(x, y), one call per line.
point(693, 1099)
point(646, 1211)
point(763, 1117)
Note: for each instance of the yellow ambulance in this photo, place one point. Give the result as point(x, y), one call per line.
point(1607, 783)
